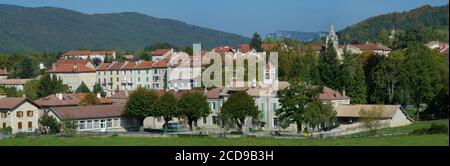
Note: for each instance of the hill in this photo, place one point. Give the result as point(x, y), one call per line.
point(432, 21)
point(300, 36)
point(56, 29)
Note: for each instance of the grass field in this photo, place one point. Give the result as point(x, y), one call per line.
point(396, 140)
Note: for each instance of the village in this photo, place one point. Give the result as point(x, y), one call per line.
point(115, 82)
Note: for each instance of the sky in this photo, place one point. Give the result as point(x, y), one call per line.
point(244, 17)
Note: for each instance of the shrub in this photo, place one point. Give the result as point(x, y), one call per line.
point(434, 129)
point(6, 131)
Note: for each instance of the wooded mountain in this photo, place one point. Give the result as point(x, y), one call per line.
point(300, 36)
point(430, 20)
point(55, 29)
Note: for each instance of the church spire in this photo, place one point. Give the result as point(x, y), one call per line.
point(333, 37)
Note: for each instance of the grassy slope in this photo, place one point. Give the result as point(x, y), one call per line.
point(430, 140)
point(354, 140)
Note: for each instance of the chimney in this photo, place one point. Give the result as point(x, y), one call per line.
point(206, 90)
point(99, 96)
point(75, 66)
point(54, 66)
point(343, 92)
point(59, 96)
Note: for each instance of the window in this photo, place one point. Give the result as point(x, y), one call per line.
point(155, 71)
point(109, 123)
point(117, 79)
point(275, 122)
point(4, 125)
point(104, 73)
point(155, 85)
point(146, 71)
point(19, 125)
point(19, 114)
point(117, 72)
point(96, 126)
point(214, 120)
point(81, 125)
point(102, 124)
point(30, 125)
point(204, 120)
point(30, 113)
point(155, 78)
point(139, 79)
point(4, 114)
point(275, 107)
point(89, 124)
point(146, 79)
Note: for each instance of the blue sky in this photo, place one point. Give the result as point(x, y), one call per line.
point(245, 16)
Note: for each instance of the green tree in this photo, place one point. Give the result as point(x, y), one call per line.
point(13, 92)
point(318, 114)
point(82, 88)
point(422, 76)
point(188, 50)
point(329, 68)
point(50, 85)
point(167, 108)
point(353, 78)
point(388, 78)
point(27, 70)
point(194, 105)
point(68, 126)
point(306, 66)
point(50, 124)
point(141, 104)
point(370, 119)
point(145, 56)
point(97, 88)
point(238, 107)
point(31, 88)
point(256, 42)
point(90, 99)
point(294, 100)
point(286, 59)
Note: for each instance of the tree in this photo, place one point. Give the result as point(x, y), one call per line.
point(422, 76)
point(194, 105)
point(286, 60)
point(167, 108)
point(318, 114)
point(353, 78)
point(256, 42)
point(156, 46)
point(370, 118)
point(371, 60)
point(50, 85)
point(188, 50)
point(294, 100)
point(97, 88)
point(82, 88)
point(108, 59)
point(141, 104)
point(306, 66)
point(27, 70)
point(145, 56)
point(31, 88)
point(238, 107)
point(90, 99)
point(329, 68)
point(388, 78)
point(50, 124)
point(68, 126)
point(13, 92)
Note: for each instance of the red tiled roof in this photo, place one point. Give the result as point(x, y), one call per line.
point(371, 46)
point(68, 99)
point(87, 112)
point(103, 66)
point(129, 66)
point(4, 72)
point(214, 93)
point(87, 52)
point(71, 61)
point(144, 65)
point(71, 68)
point(223, 50)
point(330, 94)
point(10, 103)
point(159, 64)
point(244, 48)
point(116, 66)
point(267, 47)
point(160, 52)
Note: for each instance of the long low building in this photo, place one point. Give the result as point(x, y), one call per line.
point(96, 118)
point(351, 113)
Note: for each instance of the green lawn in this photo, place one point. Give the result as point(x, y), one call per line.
point(422, 140)
point(360, 139)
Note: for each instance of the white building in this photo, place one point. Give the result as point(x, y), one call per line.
point(89, 55)
point(21, 114)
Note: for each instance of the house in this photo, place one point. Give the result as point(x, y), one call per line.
point(66, 100)
point(3, 74)
point(18, 84)
point(244, 48)
point(160, 54)
point(89, 55)
point(333, 97)
point(392, 115)
point(74, 72)
point(19, 113)
point(376, 48)
point(224, 50)
point(96, 118)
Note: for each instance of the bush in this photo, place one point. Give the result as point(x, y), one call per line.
point(434, 129)
point(6, 131)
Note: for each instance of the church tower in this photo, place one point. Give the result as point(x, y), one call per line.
point(333, 37)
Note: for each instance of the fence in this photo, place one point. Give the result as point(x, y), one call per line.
point(347, 129)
